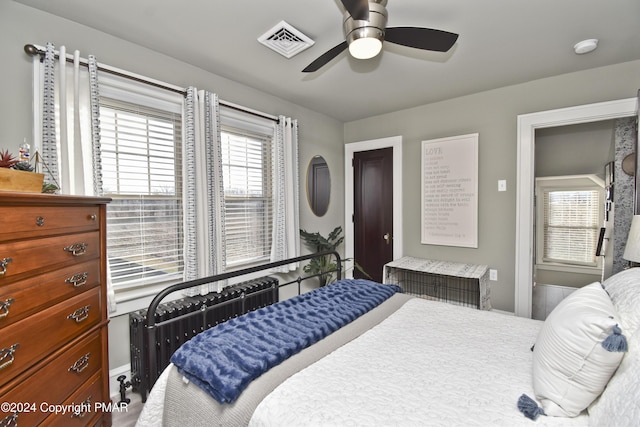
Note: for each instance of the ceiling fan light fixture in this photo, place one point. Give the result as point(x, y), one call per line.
point(365, 47)
point(366, 31)
point(365, 37)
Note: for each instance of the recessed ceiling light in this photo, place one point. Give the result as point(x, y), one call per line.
point(585, 46)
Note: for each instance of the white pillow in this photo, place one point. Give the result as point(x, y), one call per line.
point(570, 365)
point(624, 290)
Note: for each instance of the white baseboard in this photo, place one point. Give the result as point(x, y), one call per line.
point(114, 384)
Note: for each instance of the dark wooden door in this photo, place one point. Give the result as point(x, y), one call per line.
point(373, 211)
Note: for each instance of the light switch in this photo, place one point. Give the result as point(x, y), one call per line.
point(493, 274)
point(502, 185)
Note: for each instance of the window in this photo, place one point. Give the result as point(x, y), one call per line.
point(569, 220)
point(141, 166)
point(246, 165)
point(141, 154)
point(571, 224)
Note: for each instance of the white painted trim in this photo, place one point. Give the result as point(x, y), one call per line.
point(349, 150)
point(527, 124)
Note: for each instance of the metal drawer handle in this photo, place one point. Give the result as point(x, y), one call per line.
point(78, 280)
point(83, 409)
point(40, 221)
point(81, 364)
point(3, 265)
point(4, 308)
point(93, 217)
point(6, 355)
point(80, 314)
point(77, 249)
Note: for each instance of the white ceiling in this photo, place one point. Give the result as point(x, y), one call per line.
point(501, 43)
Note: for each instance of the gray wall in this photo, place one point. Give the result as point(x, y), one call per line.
point(493, 114)
point(20, 25)
point(560, 150)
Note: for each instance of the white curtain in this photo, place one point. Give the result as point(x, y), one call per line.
point(70, 117)
point(204, 252)
point(286, 227)
point(45, 137)
point(67, 126)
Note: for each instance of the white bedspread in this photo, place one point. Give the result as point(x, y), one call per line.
point(152, 411)
point(428, 364)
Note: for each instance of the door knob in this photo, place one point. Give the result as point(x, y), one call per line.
point(387, 238)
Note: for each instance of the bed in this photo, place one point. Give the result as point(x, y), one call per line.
point(407, 361)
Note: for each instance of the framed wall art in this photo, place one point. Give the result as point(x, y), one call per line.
point(450, 191)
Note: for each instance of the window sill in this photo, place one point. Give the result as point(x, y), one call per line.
point(138, 298)
point(130, 300)
point(569, 268)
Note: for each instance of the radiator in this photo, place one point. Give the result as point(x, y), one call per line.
point(178, 321)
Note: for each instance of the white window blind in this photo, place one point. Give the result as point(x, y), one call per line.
point(141, 166)
point(246, 165)
point(571, 226)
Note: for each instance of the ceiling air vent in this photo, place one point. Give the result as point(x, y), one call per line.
point(285, 40)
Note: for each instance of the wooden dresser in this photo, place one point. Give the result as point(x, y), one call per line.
point(53, 311)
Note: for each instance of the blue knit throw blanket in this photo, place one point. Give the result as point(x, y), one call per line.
point(223, 360)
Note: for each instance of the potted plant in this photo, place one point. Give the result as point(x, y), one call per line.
point(16, 175)
point(324, 266)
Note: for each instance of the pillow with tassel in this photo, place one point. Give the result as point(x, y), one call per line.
point(578, 348)
point(619, 403)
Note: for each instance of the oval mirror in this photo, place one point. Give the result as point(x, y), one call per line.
point(318, 185)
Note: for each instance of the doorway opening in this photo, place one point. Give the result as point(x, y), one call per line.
point(574, 209)
point(527, 125)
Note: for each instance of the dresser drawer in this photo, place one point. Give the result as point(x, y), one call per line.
point(25, 342)
point(55, 382)
point(36, 255)
point(35, 221)
point(23, 298)
point(84, 401)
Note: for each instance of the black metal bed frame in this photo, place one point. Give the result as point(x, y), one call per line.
point(151, 324)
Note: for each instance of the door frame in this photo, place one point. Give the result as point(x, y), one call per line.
point(527, 124)
point(394, 142)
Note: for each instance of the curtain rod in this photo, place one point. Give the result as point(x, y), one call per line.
point(33, 50)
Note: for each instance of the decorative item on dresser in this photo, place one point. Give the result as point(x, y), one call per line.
point(53, 315)
point(18, 174)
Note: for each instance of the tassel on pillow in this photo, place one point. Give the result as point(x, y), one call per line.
point(529, 407)
point(616, 341)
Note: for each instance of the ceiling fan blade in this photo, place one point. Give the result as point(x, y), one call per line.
point(358, 9)
point(325, 57)
point(421, 38)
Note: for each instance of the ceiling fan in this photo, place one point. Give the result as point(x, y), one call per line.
point(365, 29)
